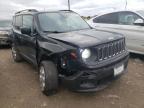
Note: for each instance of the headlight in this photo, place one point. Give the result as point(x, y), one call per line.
point(86, 53)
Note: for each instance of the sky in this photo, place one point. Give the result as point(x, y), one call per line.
point(83, 7)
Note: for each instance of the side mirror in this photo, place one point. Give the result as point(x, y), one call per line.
point(26, 31)
point(139, 22)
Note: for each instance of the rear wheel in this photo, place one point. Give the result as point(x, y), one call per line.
point(16, 56)
point(48, 76)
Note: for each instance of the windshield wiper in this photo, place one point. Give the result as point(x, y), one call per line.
point(53, 31)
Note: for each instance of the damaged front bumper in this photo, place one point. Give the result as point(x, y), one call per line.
point(95, 79)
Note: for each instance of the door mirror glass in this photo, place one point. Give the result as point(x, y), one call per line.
point(139, 22)
point(26, 30)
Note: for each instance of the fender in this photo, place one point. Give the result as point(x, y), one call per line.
point(50, 50)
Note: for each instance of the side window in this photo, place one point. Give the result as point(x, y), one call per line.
point(128, 18)
point(111, 18)
point(18, 22)
point(13, 21)
point(28, 21)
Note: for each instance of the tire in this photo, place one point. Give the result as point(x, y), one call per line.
point(16, 56)
point(48, 77)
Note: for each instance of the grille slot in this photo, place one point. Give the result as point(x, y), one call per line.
point(111, 49)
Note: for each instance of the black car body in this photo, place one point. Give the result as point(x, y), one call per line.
point(5, 32)
point(83, 59)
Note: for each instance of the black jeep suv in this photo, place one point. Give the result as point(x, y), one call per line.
point(66, 49)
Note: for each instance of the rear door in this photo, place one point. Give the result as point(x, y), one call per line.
point(17, 24)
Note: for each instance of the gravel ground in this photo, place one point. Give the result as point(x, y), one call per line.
point(19, 88)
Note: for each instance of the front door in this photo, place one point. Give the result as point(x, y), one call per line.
point(125, 25)
point(29, 41)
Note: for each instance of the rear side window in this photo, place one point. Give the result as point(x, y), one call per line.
point(28, 21)
point(111, 18)
point(18, 22)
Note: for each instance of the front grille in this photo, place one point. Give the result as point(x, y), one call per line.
point(111, 49)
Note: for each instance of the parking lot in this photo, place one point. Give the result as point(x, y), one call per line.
point(19, 88)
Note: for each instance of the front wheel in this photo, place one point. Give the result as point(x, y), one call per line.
point(48, 76)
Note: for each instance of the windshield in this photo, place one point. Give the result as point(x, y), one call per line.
point(141, 13)
point(5, 23)
point(61, 22)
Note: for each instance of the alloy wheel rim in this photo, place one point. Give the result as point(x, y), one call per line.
point(42, 78)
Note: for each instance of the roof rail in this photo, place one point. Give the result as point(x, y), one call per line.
point(67, 10)
point(27, 10)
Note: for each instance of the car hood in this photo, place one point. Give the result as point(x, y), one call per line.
point(85, 38)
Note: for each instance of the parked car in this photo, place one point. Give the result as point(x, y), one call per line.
point(4, 32)
point(129, 23)
point(67, 50)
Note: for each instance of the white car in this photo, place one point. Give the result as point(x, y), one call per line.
point(129, 23)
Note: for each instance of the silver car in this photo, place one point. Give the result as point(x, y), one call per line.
point(4, 32)
point(129, 23)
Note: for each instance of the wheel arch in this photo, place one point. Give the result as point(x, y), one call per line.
point(42, 56)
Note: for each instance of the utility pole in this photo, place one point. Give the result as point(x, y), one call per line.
point(68, 4)
point(125, 4)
